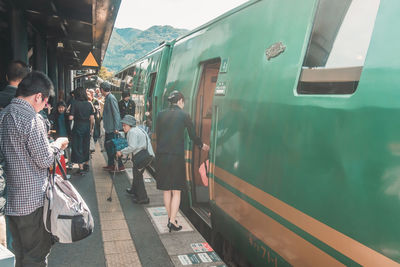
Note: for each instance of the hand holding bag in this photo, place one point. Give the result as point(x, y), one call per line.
point(143, 157)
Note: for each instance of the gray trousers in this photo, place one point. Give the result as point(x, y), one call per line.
point(31, 241)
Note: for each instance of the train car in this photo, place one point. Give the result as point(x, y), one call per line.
point(145, 79)
point(299, 101)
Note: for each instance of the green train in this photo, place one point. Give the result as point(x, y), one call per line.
point(300, 103)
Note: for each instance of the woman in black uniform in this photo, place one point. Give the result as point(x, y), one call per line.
point(170, 161)
point(82, 114)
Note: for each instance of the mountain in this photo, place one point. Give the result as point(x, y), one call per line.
point(128, 44)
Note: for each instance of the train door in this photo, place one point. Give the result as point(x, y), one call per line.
point(149, 102)
point(200, 158)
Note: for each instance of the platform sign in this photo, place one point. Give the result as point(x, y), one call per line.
point(224, 65)
point(201, 247)
point(90, 61)
point(196, 258)
point(158, 211)
point(220, 89)
point(160, 220)
point(213, 256)
point(189, 259)
point(204, 257)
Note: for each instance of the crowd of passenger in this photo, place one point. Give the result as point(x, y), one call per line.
point(33, 134)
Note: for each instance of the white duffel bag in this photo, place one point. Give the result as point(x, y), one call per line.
point(65, 214)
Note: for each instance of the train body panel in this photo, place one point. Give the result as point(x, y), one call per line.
point(304, 145)
point(145, 79)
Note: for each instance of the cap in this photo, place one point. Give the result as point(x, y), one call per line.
point(130, 120)
point(105, 86)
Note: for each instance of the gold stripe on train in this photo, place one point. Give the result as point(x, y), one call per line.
point(335, 239)
point(293, 248)
point(188, 159)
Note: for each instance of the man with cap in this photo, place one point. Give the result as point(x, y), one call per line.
point(126, 105)
point(111, 124)
point(137, 141)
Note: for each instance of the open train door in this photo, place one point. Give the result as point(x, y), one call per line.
point(200, 158)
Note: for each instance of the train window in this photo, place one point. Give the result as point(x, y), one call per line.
point(338, 46)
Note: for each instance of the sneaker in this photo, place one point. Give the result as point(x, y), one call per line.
point(130, 191)
point(120, 169)
point(86, 167)
point(108, 168)
point(143, 201)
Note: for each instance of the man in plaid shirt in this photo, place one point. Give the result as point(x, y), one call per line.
point(28, 155)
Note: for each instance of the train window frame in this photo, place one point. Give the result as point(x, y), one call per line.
point(327, 69)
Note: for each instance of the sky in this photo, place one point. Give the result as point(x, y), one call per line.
point(182, 14)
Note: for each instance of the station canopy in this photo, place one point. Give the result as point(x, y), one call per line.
point(77, 27)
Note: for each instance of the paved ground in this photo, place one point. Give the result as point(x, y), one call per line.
point(128, 234)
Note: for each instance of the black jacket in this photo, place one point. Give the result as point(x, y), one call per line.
point(54, 122)
point(6, 95)
point(126, 109)
point(170, 130)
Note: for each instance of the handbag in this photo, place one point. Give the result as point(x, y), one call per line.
point(143, 157)
point(65, 214)
point(204, 174)
point(116, 144)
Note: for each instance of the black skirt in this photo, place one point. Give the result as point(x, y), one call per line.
point(80, 142)
point(171, 173)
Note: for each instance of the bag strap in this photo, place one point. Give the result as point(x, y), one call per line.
point(205, 165)
point(146, 136)
point(53, 173)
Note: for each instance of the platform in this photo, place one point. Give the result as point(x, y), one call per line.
point(129, 234)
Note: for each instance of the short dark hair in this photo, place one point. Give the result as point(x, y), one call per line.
point(125, 94)
point(80, 94)
point(16, 70)
point(61, 103)
point(35, 82)
point(175, 96)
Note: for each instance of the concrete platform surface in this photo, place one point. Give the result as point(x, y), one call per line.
point(129, 234)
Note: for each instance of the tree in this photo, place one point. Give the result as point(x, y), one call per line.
point(105, 74)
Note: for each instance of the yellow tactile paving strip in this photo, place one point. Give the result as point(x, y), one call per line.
point(119, 248)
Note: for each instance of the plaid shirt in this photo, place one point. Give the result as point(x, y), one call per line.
point(23, 141)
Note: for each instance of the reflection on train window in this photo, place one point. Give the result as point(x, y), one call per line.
point(338, 46)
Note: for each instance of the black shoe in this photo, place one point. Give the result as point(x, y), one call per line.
point(173, 227)
point(176, 221)
point(130, 191)
point(144, 201)
point(86, 167)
